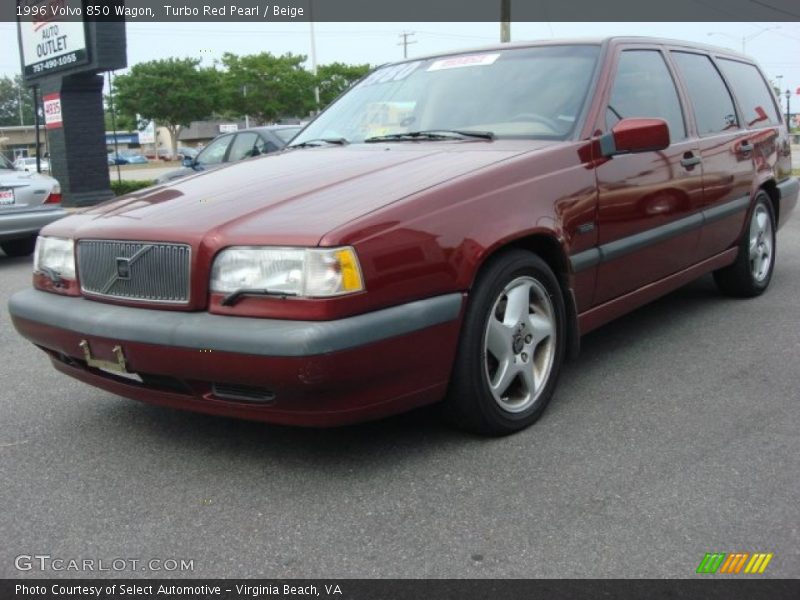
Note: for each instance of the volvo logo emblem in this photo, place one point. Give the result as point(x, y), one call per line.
point(123, 268)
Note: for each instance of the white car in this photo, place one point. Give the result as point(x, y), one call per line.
point(28, 202)
point(28, 164)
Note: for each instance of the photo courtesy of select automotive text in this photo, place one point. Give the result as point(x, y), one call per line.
point(420, 300)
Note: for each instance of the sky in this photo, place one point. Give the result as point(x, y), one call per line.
point(776, 46)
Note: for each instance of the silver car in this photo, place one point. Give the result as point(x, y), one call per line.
point(28, 202)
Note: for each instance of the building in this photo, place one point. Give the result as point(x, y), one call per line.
point(20, 140)
point(199, 133)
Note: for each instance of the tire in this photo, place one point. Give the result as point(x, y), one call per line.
point(750, 275)
point(491, 391)
point(20, 247)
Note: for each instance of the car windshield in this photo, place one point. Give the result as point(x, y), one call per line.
point(535, 92)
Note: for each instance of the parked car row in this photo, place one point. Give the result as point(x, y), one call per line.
point(126, 157)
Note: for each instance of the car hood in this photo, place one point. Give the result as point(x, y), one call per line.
point(293, 197)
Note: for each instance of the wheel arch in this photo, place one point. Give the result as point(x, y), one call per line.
point(770, 186)
point(547, 247)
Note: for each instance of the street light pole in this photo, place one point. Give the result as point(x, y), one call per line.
point(788, 111)
point(745, 38)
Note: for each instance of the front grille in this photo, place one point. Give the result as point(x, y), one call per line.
point(145, 271)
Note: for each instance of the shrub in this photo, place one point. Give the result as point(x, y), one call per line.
point(126, 186)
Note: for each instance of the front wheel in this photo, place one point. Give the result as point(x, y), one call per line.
point(511, 348)
point(751, 273)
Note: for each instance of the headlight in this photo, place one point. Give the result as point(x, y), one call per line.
point(54, 256)
point(309, 272)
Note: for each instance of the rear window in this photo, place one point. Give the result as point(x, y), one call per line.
point(711, 101)
point(750, 89)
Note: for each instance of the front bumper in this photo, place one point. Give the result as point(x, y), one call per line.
point(316, 372)
point(14, 225)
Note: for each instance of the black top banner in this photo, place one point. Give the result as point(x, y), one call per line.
point(149, 11)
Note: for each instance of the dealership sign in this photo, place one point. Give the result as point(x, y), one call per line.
point(52, 111)
point(49, 44)
point(148, 134)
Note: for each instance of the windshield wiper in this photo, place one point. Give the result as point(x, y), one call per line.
point(431, 134)
point(234, 297)
point(319, 142)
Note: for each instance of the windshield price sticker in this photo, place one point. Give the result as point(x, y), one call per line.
point(6, 197)
point(392, 73)
point(457, 62)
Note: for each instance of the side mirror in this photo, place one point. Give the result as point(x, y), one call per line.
point(188, 162)
point(635, 135)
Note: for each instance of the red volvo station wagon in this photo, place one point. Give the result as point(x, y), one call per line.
point(445, 231)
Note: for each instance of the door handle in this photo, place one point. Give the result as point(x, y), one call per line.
point(689, 160)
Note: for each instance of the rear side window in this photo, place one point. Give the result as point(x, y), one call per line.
point(755, 98)
point(244, 146)
point(711, 100)
point(643, 87)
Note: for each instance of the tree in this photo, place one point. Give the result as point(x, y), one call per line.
point(267, 87)
point(124, 122)
point(173, 92)
point(11, 92)
point(335, 78)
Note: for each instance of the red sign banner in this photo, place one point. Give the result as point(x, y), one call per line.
point(52, 111)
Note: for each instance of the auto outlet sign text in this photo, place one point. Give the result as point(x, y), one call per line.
point(50, 44)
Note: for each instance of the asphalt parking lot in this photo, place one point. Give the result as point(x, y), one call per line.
point(674, 434)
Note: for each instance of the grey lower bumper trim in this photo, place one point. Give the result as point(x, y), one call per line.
point(244, 335)
point(611, 250)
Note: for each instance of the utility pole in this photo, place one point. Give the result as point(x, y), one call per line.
point(313, 55)
point(788, 111)
point(405, 43)
point(505, 21)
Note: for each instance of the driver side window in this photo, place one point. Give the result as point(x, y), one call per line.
point(643, 87)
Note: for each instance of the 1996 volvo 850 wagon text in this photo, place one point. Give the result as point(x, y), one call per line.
point(445, 230)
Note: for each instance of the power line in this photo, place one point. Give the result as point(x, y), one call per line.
point(775, 8)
